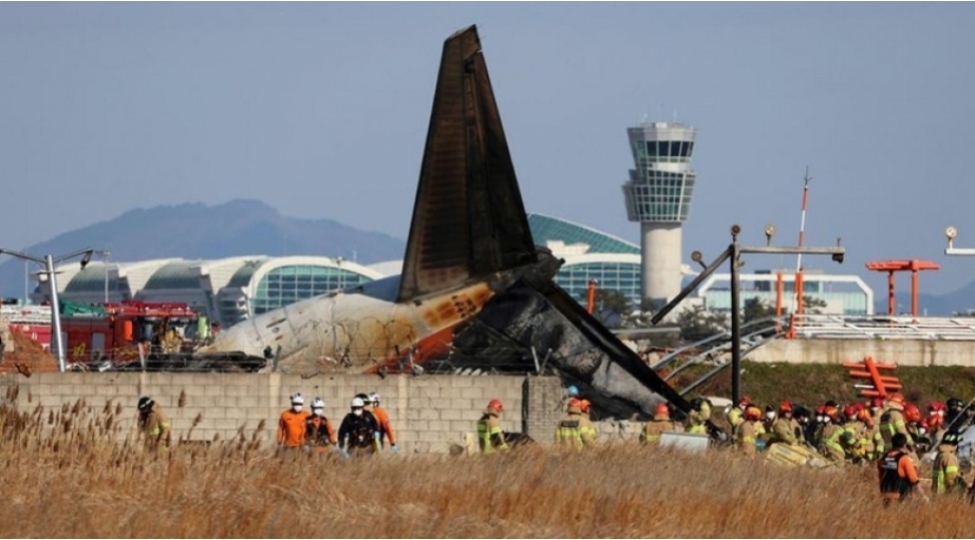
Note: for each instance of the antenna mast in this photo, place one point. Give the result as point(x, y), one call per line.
point(796, 304)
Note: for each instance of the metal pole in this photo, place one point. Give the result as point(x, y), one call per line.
point(735, 327)
point(107, 254)
point(55, 312)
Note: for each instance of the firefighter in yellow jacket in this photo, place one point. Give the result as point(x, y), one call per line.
point(490, 437)
point(749, 430)
point(588, 429)
point(945, 477)
point(785, 429)
point(153, 424)
point(831, 446)
point(571, 432)
point(656, 427)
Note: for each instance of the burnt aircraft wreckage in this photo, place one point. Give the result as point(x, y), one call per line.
point(474, 291)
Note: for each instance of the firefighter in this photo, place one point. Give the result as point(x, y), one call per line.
point(830, 446)
point(660, 423)
point(801, 416)
point(945, 477)
point(382, 419)
point(569, 433)
point(490, 437)
point(153, 424)
point(898, 476)
point(735, 414)
point(917, 436)
point(746, 436)
point(853, 432)
point(892, 421)
point(870, 440)
point(785, 429)
point(358, 432)
point(934, 423)
point(589, 434)
point(319, 433)
point(700, 414)
point(291, 424)
point(953, 413)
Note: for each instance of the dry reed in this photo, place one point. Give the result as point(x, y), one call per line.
point(74, 473)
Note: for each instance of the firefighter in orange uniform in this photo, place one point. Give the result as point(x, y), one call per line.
point(291, 425)
point(385, 427)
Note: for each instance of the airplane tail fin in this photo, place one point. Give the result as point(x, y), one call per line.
point(468, 220)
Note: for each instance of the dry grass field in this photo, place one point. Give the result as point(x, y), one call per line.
point(63, 476)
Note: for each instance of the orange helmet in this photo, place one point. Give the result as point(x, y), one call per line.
point(832, 412)
point(864, 416)
point(744, 401)
point(896, 398)
point(785, 407)
point(574, 403)
point(933, 421)
point(911, 413)
point(850, 412)
point(753, 413)
point(584, 405)
point(662, 411)
point(496, 405)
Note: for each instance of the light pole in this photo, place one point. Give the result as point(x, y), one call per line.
point(732, 254)
point(48, 262)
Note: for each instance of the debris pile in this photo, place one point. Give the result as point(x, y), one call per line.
point(27, 357)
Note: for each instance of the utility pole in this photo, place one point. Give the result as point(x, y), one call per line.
point(732, 254)
point(48, 262)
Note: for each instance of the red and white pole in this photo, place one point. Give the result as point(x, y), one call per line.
point(796, 304)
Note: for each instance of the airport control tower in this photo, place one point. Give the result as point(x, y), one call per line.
point(658, 195)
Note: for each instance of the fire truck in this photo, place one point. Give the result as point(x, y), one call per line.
point(125, 332)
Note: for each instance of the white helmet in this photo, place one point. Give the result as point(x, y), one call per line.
point(357, 403)
point(296, 399)
point(374, 397)
point(318, 403)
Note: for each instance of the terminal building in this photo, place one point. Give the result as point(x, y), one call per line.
point(233, 289)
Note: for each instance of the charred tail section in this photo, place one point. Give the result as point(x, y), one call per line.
point(468, 219)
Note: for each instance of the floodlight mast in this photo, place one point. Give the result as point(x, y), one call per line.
point(951, 233)
point(733, 253)
point(48, 263)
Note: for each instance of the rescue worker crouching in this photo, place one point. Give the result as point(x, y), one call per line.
point(153, 424)
point(898, 476)
point(358, 434)
point(655, 428)
point(571, 431)
point(490, 437)
point(588, 429)
point(291, 424)
point(831, 447)
point(319, 434)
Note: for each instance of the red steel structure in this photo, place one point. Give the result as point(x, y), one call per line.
point(913, 266)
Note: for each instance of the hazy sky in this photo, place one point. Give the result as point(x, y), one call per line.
point(321, 110)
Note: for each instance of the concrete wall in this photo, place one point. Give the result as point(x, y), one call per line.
point(837, 351)
point(427, 412)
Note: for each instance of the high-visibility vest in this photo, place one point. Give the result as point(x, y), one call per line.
point(569, 433)
point(485, 434)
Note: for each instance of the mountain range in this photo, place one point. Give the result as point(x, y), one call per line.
point(198, 231)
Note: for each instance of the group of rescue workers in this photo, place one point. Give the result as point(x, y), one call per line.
point(889, 432)
point(365, 430)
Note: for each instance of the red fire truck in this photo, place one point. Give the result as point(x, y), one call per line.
point(116, 332)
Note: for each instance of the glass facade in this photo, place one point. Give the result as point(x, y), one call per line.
point(621, 276)
point(661, 184)
point(288, 284)
point(546, 229)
